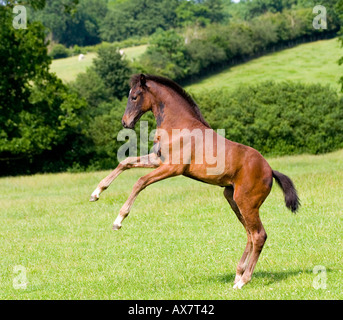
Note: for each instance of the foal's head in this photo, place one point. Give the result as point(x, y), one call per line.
point(148, 91)
point(140, 101)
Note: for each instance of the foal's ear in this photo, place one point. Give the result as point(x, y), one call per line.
point(142, 80)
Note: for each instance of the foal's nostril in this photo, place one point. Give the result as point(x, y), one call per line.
point(124, 124)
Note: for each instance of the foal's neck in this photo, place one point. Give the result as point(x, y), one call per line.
point(171, 111)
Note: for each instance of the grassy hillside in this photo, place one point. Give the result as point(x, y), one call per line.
point(308, 63)
point(181, 240)
point(67, 69)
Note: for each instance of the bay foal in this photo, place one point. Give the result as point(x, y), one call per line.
point(244, 174)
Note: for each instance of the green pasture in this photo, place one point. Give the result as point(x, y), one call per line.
point(181, 240)
point(67, 69)
point(314, 62)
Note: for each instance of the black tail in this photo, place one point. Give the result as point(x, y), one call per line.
point(287, 186)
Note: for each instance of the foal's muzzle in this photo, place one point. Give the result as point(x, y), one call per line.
point(124, 124)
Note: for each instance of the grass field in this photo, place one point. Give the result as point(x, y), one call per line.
point(181, 240)
point(314, 62)
point(67, 69)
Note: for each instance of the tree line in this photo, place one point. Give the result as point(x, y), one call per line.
point(93, 21)
point(89, 22)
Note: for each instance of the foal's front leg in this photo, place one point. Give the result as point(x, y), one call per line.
point(159, 174)
point(147, 161)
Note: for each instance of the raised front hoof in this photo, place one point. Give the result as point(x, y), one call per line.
point(93, 199)
point(116, 227)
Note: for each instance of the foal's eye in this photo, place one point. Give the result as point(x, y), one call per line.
point(134, 98)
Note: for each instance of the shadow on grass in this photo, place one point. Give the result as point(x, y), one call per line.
point(270, 277)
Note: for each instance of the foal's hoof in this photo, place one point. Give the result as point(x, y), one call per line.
point(93, 199)
point(116, 227)
point(239, 285)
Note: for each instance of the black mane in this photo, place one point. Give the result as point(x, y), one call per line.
point(135, 79)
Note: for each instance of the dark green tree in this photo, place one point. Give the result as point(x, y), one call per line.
point(199, 12)
point(113, 70)
point(78, 25)
point(138, 18)
point(38, 113)
point(166, 55)
point(92, 88)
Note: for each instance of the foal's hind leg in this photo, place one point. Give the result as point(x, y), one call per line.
point(243, 263)
point(249, 204)
point(258, 236)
